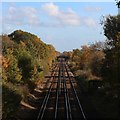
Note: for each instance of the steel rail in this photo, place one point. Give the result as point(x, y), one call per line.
point(41, 112)
point(57, 95)
point(67, 96)
point(59, 87)
point(76, 96)
point(45, 101)
point(66, 105)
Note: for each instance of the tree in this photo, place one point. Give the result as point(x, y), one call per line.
point(111, 30)
point(112, 63)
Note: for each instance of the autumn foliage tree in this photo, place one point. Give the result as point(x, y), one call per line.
point(25, 61)
point(87, 61)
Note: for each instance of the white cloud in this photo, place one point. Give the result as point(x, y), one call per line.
point(30, 17)
point(51, 9)
point(12, 10)
point(89, 22)
point(21, 16)
point(31, 14)
point(68, 17)
point(92, 9)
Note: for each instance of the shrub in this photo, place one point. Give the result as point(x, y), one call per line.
point(10, 102)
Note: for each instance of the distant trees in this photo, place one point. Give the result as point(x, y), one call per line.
point(100, 59)
point(87, 62)
point(111, 27)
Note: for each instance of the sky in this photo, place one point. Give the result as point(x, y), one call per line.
point(65, 25)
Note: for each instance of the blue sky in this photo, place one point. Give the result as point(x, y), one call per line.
point(65, 25)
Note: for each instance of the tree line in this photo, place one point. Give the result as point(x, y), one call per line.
point(97, 70)
point(25, 61)
point(100, 60)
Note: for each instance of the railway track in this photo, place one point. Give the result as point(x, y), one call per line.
point(61, 100)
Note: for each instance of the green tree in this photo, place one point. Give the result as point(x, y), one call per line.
point(25, 63)
point(112, 62)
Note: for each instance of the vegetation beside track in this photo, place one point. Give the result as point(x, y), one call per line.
point(25, 61)
point(97, 70)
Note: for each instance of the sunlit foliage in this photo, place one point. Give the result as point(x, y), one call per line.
point(25, 61)
point(87, 62)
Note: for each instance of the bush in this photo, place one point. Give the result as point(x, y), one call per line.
point(10, 102)
point(83, 74)
point(25, 63)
